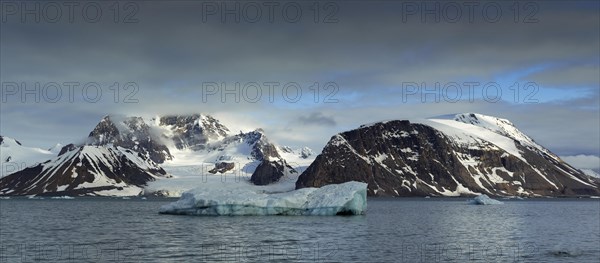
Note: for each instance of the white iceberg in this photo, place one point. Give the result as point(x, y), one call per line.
point(484, 200)
point(337, 199)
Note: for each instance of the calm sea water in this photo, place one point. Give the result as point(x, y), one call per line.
point(394, 230)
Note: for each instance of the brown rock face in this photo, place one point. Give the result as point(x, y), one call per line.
point(222, 167)
point(399, 158)
point(67, 148)
point(269, 172)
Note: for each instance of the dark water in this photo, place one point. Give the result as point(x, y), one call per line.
point(394, 230)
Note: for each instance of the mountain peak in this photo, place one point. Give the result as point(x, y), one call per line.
point(481, 119)
point(9, 141)
point(192, 131)
point(129, 132)
point(501, 126)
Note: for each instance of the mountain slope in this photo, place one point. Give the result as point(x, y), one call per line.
point(131, 133)
point(244, 154)
point(466, 155)
point(85, 170)
point(14, 156)
point(503, 127)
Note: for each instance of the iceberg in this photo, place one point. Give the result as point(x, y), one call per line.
point(484, 200)
point(337, 199)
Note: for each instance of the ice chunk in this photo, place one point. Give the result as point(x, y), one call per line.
point(484, 200)
point(562, 250)
point(337, 199)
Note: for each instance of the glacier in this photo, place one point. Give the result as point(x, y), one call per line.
point(336, 199)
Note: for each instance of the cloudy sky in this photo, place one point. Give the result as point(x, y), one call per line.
point(536, 64)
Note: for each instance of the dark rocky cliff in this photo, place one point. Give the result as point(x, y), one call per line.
point(399, 158)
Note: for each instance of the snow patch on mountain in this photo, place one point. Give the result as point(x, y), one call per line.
point(299, 156)
point(472, 136)
point(14, 156)
point(503, 127)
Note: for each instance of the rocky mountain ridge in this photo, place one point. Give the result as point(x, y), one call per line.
point(469, 154)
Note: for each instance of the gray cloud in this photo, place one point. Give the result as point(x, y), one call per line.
point(170, 52)
point(569, 75)
point(317, 118)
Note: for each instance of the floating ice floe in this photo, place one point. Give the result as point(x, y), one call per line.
point(562, 250)
point(484, 200)
point(338, 199)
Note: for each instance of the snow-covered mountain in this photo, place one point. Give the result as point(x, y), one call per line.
point(191, 131)
point(190, 148)
point(14, 156)
point(174, 138)
point(464, 155)
point(304, 152)
point(131, 133)
point(243, 158)
point(85, 170)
